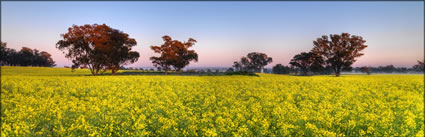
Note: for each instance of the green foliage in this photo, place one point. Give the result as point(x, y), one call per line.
point(253, 62)
point(25, 57)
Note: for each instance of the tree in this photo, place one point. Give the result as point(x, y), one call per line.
point(119, 53)
point(99, 47)
point(365, 70)
point(307, 61)
point(4, 53)
point(388, 68)
point(280, 69)
point(237, 66)
point(318, 64)
point(254, 62)
point(257, 61)
point(243, 65)
point(25, 57)
point(340, 51)
point(327, 70)
point(302, 61)
point(419, 67)
point(174, 54)
point(229, 70)
point(47, 59)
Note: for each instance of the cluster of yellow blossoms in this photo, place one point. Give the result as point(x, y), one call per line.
point(56, 102)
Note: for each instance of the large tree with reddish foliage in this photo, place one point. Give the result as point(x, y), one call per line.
point(174, 54)
point(99, 47)
point(340, 51)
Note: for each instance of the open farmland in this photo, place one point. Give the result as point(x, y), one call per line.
point(53, 101)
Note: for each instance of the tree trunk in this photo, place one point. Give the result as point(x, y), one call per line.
point(97, 71)
point(335, 69)
point(338, 72)
point(92, 72)
point(113, 71)
point(179, 70)
point(304, 71)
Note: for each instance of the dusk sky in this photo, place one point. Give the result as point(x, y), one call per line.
point(226, 31)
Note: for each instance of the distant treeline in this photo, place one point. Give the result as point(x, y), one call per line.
point(391, 69)
point(25, 57)
point(281, 69)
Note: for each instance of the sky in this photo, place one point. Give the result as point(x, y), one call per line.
point(226, 31)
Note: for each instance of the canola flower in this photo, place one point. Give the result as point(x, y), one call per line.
point(55, 102)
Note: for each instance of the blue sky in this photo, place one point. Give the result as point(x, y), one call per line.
point(225, 31)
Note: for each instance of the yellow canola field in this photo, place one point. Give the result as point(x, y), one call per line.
point(55, 102)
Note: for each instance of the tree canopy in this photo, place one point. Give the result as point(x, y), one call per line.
point(174, 53)
point(307, 62)
point(280, 69)
point(340, 51)
point(253, 62)
point(99, 47)
point(365, 69)
point(25, 57)
point(419, 67)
